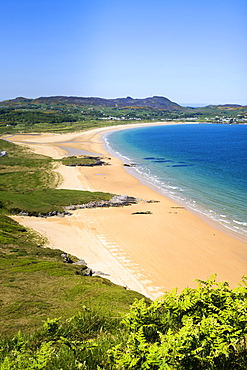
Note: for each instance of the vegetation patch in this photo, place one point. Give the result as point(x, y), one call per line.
point(38, 202)
point(16, 239)
point(202, 328)
point(27, 183)
point(82, 160)
point(21, 170)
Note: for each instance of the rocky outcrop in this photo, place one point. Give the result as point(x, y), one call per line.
point(84, 269)
point(116, 201)
point(49, 214)
point(66, 258)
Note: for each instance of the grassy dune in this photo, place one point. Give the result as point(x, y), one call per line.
point(27, 183)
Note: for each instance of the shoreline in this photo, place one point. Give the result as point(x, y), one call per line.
point(171, 247)
point(213, 222)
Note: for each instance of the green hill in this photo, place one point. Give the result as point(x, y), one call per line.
point(155, 102)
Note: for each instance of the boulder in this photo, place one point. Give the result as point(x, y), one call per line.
point(66, 258)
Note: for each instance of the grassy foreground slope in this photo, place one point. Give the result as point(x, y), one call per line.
point(203, 328)
point(36, 284)
point(37, 287)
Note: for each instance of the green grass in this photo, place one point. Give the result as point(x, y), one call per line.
point(47, 200)
point(68, 161)
point(34, 289)
point(202, 328)
point(80, 342)
point(14, 236)
point(22, 170)
point(27, 183)
point(24, 180)
point(36, 284)
point(58, 127)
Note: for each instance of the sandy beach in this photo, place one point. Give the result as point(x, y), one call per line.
point(150, 253)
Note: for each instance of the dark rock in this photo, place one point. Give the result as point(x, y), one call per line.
point(129, 164)
point(71, 207)
point(142, 213)
point(86, 271)
point(66, 258)
point(23, 214)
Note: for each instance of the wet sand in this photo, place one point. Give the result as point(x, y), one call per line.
point(150, 253)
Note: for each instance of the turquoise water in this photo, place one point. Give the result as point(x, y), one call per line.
point(202, 166)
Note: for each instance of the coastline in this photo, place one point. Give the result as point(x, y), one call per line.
point(200, 212)
point(153, 253)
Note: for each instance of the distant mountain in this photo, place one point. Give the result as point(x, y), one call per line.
point(230, 106)
point(155, 102)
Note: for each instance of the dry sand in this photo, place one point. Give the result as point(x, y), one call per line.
point(150, 253)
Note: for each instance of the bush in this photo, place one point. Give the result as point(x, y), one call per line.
point(203, 328)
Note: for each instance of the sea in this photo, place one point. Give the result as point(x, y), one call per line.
point(200, 166)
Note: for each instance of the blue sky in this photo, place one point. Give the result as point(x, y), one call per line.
point(192, 52)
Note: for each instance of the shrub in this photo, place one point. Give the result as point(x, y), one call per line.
point(203, 328)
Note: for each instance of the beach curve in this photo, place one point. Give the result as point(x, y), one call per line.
point(151, 253)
